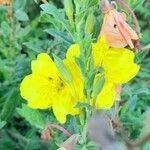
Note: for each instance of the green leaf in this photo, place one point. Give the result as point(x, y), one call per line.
point(2, 124)
point(60, 35)
point(98, 86)
point(5, 29)
point(81, 65)
point(45, 18)
point(89, 83)
point(33, 116)
point(131, 104)
point(22, 32)
point(62, 68)
point(52, 10)
point(21, 15)
point(19, 4)
point(10, 104)
point(35, 45)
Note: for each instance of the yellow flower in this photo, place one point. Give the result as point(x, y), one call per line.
point(99, 50)
point(45, 88)
point(73, 51)
point(119, 68)
point(106, 97)
point(77, 82)
point(118, 65)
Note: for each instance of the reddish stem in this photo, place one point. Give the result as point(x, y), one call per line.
point(133, 144)
point(137, 27)
point(132, 14)
point(51, 126)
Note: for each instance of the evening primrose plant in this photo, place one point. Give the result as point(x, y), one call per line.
point(46, 87)
point(86, 79)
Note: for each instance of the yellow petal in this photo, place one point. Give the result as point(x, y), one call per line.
point(44, 66)
point(63, 105)
point(73, 51)
point(99, 50)
point(38, 91)
point(119, 65)
point(78, 83)
point(106, 97)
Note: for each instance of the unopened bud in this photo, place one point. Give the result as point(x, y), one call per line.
point(69, 10)
point(89, 25)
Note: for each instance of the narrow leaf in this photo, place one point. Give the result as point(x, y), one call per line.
point(60, 35)
point(33, 116)
point(21, 15)
point(10, 104)
point(52, 10)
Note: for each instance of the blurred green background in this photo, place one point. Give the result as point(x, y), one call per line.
point(23, 35)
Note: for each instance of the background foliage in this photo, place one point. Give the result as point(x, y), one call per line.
point(25, 31)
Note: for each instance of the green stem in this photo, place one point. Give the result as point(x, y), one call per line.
point(83, 140)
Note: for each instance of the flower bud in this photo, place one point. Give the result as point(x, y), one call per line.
point(89, 25)
point(69, 10)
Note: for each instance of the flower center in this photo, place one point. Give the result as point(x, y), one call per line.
point(60, 84)
point(57, 83)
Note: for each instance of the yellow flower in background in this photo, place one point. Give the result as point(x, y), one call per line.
point(45, 88)
point(119, 68)
point(118, 65)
